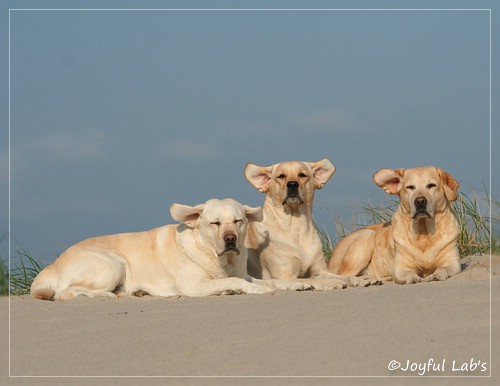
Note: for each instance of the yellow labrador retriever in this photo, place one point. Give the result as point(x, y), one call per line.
point(420, 241)
point(286, 245)
point(204, 255)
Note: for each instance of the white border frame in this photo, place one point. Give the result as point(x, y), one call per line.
point(266, 10)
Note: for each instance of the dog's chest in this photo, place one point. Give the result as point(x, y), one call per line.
point(286, 247)
point(227, 265)
point(423, 242)
point(302, 247)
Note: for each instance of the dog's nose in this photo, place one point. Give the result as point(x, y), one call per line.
point(420, 202)
point(230, 238)
point(292, 184)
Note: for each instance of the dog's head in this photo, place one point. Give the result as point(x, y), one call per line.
point(422, 191)
point(220, 224)
point(290, 183)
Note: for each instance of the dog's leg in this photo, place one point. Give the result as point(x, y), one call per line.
point(328, 280)
point(450, 268)
point(228, 285)
point(439, 274)
point(282, 285)
point(85, 272)
point(43, 285)
point(363, 281)
point(317, 276)
point(352, 255)
point(443, 273)
point(72, 292)
point(406, 277)
point(325, 284)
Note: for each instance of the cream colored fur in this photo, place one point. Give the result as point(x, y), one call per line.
point(286, 245)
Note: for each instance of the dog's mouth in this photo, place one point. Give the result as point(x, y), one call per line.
point(293, 200)
point(421, 213)
point(230, 248)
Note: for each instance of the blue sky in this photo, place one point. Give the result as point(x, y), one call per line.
point(115, 115)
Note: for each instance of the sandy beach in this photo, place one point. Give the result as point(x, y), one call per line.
point(439, 329)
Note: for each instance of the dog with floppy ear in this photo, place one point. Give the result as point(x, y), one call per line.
point(286, 245)
point(203, 255)
point(420, 241)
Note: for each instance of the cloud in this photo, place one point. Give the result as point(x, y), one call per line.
point(336, 119)
point(66, 146)
point(59, 146)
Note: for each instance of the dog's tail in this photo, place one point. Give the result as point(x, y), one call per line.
point(41, 286)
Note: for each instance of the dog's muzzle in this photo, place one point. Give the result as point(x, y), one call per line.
point(292, 194)
point(420, 208)
point(230, 243)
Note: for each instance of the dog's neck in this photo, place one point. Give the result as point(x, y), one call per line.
point(426, 228)
point(288, 217)
point(211, 265)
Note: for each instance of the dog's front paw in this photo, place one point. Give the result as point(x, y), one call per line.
point(283, 285)
point(337, 284)
point(299, 287)
point(108, 295)
point(439, 275)
point(407, 277)
point(258, 289)
point(329, 285)
point(356, 281)
point(412, 278)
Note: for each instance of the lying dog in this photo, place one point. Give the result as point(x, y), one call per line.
point(419, 243)
point(205, 255)
point(286, 245)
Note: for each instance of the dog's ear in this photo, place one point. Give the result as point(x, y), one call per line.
point(253, 214)
point(389, 180)
point(188, 215)
point(258, 176)
point(450, 185)
point(322, 171)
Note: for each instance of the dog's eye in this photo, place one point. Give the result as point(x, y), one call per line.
point(215, 223)
point(410, 187)
point(281, 176)
point(431, 185)
point(302, 175)
point(238, 221)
